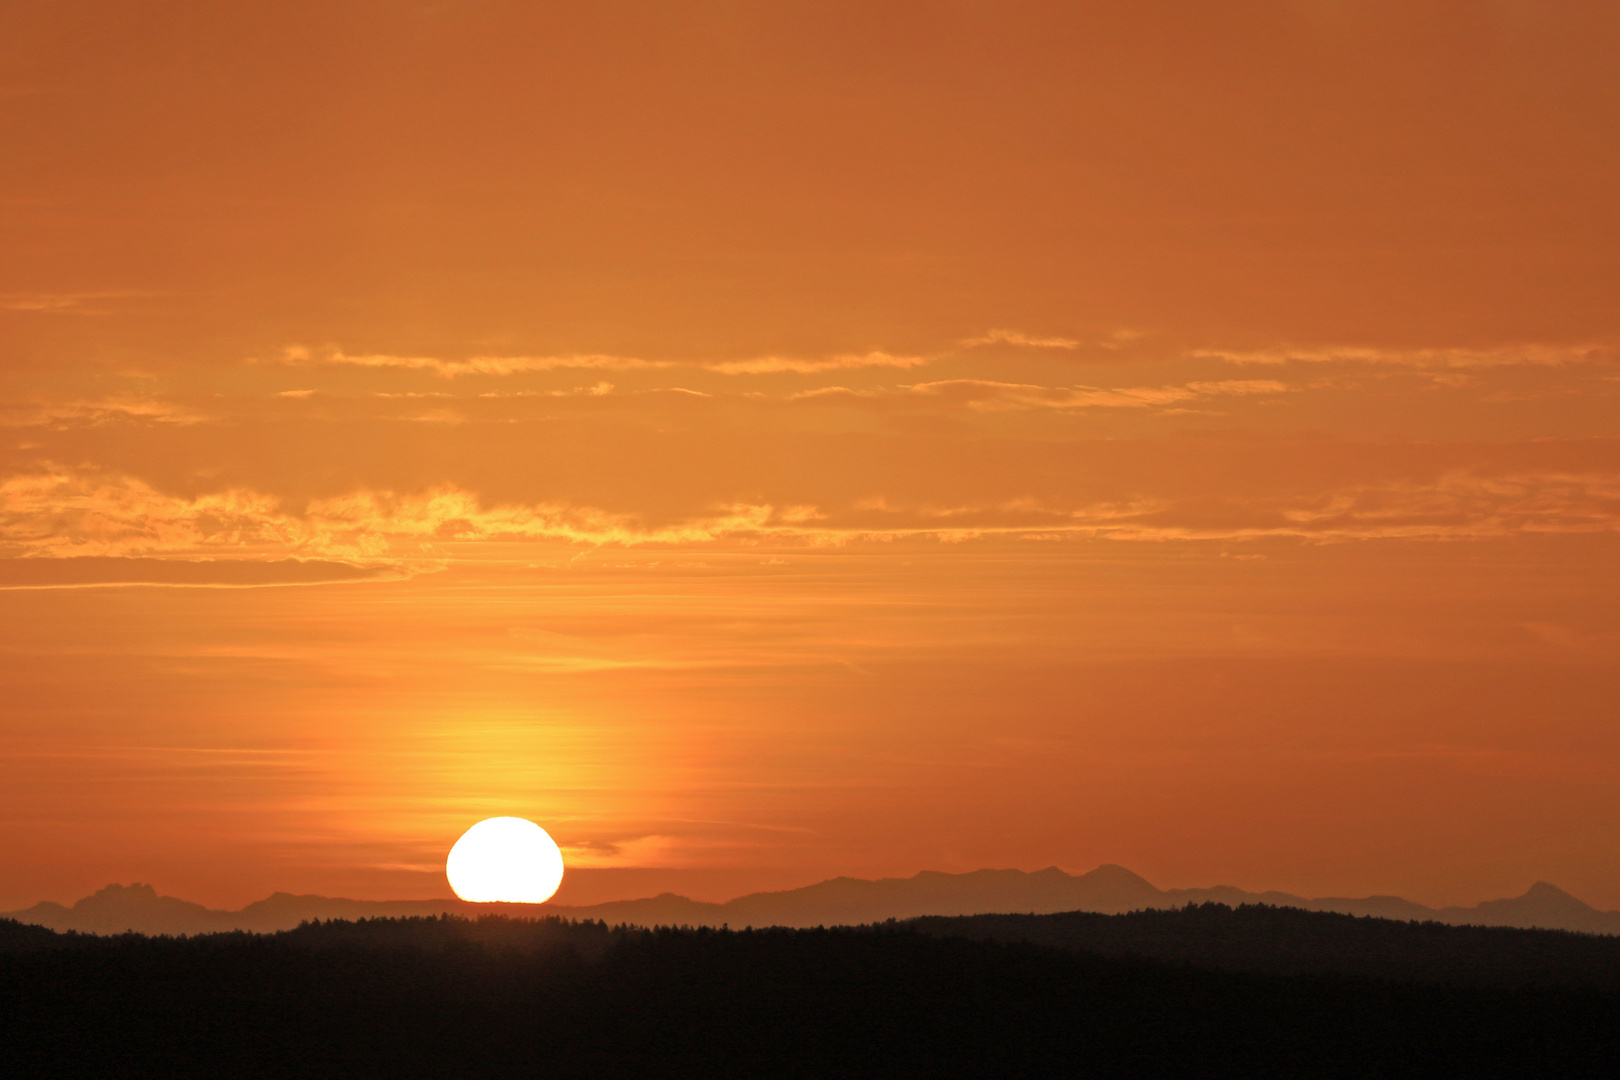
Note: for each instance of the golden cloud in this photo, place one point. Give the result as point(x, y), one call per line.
point(298, 355)
point(1018, 337)
point(767, 365)
point(66, 513)
point(988, 395)
point(101, 410)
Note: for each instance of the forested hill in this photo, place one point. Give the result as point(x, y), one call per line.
point(1252, 938)
point(1287, 941)
point(449, 997)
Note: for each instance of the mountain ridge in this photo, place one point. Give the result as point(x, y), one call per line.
point(1108, 889)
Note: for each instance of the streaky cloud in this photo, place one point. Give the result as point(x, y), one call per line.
point(1018, 337)
point(298, 355)
point(84, 572)
point(1525, 354)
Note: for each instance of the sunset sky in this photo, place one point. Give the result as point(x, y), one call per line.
point(767, 441)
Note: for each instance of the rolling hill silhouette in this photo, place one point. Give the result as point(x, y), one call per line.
point(1200, 991)
point(838, 902)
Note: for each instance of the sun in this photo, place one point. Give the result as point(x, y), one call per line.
point(505, 859)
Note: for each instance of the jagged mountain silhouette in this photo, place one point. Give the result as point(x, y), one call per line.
point(1108, 889)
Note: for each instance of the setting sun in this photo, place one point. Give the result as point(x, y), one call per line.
point(505, 859)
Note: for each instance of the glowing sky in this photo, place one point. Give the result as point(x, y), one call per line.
point(764, 441)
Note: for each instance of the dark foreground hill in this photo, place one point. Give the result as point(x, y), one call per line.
point(1261, 939)
point(507, 998)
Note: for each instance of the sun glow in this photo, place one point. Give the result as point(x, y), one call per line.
point(505, 859)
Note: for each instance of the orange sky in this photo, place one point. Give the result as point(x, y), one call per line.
point(768, 441)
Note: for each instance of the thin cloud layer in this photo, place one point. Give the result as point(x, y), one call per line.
point(987, 395)
point(70, 303)
point(298, 355)
point(69, 514)
point(111, 408)
point(84, 572)
point(1533, 354)
point(769, 365)
point(1018, 337)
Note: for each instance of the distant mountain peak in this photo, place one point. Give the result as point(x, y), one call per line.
point(135, 890)
point(1545, 890)
point(1113, 872)
point(1547, 897)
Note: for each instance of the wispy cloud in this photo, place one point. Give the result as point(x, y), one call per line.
point(64, 512)
point(115, 407)
point(990, 396)
point(1456, 505)
point(94, 572)
point(67, 512)
point(299, 355)
point(1465, 504)
point(653, 850)
point(766, 365)
point(1542, 355)
point(1018, 337)
point(70, 303)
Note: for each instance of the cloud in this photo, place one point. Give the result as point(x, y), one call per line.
point(1461, 503)
point(1498, 356)
point(127, 407)
point(1457, 505)
point(78, 303)
point(1018, 337)
point(659, 850)
point(298, 355)
point(65, 513)
point(653, 850)
point(449, 514)
point(87, 572)
point(994, 396)
point(601, 388)
point(772, 364)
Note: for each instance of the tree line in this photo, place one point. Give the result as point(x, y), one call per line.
point(495, 997)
